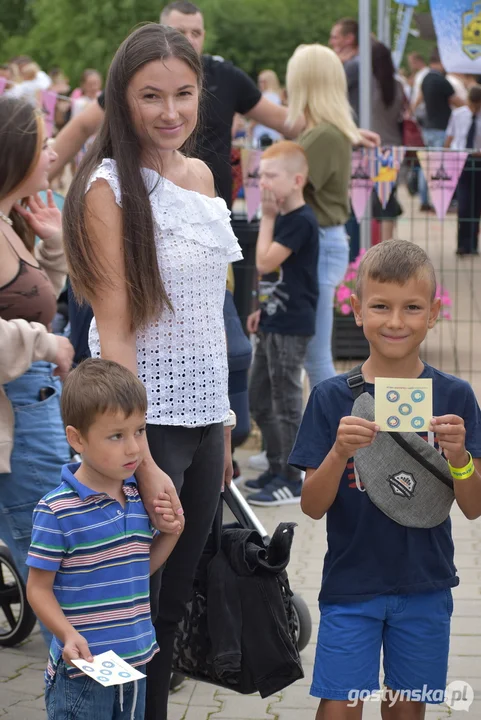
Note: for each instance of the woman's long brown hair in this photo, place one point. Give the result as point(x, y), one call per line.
point(118, 140)
point(20, 147)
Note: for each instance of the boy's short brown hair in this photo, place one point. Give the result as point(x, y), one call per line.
point(293, 154)
point(395, 261)
point(98, 386)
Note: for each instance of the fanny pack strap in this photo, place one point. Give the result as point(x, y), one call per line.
point(356, 382)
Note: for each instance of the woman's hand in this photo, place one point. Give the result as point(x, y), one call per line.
point(63, 358)
point(44, 219)
point(154, 484)
point(369, 139)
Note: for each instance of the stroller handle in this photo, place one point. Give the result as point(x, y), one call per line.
point(242, 511)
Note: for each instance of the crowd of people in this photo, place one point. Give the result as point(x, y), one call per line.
point(111, 482)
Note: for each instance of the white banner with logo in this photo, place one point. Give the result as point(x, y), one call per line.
point(458, 29)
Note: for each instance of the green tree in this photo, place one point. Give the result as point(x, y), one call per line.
point(254, 34)
point(80, 34)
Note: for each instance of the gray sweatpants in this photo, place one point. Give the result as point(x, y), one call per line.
point(275, 396)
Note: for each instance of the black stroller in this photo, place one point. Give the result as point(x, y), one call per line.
point(246, 518)
point(240, 559)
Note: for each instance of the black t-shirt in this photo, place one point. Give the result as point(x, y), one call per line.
point(227, 90)
point(288, 297)
point(436, 92)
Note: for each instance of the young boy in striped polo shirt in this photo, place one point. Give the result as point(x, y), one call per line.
point(93, 549)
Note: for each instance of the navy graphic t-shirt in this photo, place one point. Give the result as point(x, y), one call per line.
point(368, 553)
point(288, 297)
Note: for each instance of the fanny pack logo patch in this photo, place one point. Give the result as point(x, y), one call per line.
point(403, 484)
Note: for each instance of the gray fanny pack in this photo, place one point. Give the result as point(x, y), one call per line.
point(403, 475)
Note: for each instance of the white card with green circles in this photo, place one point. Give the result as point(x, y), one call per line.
point(403, 405)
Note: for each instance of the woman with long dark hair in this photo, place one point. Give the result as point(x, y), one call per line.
point(388, 104)
point(33, 446)
point(148, 245)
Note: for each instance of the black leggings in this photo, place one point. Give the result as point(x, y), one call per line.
point(194, 459)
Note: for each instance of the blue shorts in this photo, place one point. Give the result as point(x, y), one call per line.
point(413, 632)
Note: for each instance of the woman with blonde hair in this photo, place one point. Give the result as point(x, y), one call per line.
point(317, 88)
point(270, 87)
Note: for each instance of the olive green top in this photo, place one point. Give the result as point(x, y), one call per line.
point(327, 191)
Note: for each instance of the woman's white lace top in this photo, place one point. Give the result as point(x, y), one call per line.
point(182, 358)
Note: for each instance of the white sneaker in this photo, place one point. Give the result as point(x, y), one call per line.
point(259, 462)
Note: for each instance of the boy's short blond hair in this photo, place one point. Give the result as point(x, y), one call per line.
point(98, 386)
point(395, 261)
point(291, 153)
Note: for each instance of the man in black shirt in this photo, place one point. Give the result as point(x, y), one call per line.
point(439, 97)
point(227, 91)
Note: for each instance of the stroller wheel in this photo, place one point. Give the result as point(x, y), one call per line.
point(16, 617)
point(302, 620)
point(176, 680)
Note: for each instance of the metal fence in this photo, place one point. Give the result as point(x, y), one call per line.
point(454, 345)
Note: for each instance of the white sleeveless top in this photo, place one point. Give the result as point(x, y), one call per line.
point(182, 358)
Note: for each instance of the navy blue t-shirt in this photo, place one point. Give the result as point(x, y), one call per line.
point(368, 553)
point(288, 297)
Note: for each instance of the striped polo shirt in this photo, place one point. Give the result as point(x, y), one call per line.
point(99, 551)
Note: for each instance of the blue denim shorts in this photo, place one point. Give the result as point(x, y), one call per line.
point(413, 632)
point(85, 699)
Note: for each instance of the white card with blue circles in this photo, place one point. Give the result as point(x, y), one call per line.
point(403, 405)
point(109, 669)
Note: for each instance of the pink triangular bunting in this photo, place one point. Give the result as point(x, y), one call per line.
point(361, 182)
point(388, 162)
point(441, 169)
point(250, 161)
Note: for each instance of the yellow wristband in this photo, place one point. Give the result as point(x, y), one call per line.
point(462, 473)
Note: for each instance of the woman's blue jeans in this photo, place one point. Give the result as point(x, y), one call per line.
point(40, 449)
point(331, 268)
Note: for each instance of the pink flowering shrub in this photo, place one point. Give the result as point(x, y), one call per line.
point(342, 303)
point(446, 303)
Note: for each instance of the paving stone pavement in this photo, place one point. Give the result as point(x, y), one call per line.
point(453, 349)
point(21, 668)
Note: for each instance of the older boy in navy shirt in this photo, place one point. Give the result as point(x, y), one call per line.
point(385, 585)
